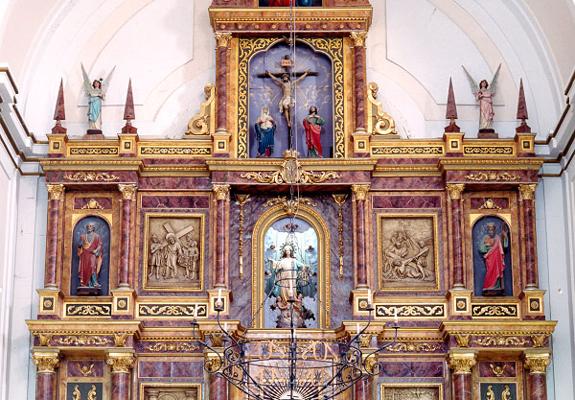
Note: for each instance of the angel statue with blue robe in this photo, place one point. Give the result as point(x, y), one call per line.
point(95, 92)
point(290, 279)
point(484, 94)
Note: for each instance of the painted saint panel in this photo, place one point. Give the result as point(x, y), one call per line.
point(291, 270)
point(174, 250)
point(309, 78)
point(408, 252)
point(90, 257)
point(492, 257)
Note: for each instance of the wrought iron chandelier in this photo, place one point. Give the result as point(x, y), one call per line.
point(288, 370)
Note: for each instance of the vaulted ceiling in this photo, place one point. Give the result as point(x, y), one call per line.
point(167, 48)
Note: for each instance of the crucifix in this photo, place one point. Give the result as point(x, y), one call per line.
point(283, 80)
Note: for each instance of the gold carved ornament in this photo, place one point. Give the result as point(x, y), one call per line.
point(290, 206)
point(55, 191)
point(378, 121)
point(422, 347)
point(203, 123)
point(241, 200)
point(120, 363)
point(527, 191)
point(44, 338)
point(462, 340)
point(493, 176)
point(371, 365)
point(340, 200)
point(92, 204)
point(537, 363)
point(83, 340)
point(162, 347)
point(360, 191)
point(222, 192)
point(497, 370)
point(87, 370)
point(46, 362)
point(359, 38)
point(212, 362)
point(291, 172)
point(128, 190)
point(489, 204)
point(454, 190)
point(223, 39)
point(462, 363)
point(90, 176)
point(488, 341)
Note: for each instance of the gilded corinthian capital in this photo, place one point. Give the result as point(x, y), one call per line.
point(222, 192)
point(461, 362)
point(223, 39)
point(121, 362)
point(455, 190)
point(55, 191)
point(360, 191)
point(358, 38)
point(46, 361)
point(128, 191)
point(537, 361)
point(527, 191)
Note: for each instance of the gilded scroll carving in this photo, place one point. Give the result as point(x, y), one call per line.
point(489, 341)
point(83, 340)
point(291, 172)
point(290, 206)
point(90, 176)
point(409, 310)
point(494, 310)
point(204, 122)
point(88, 310)
point(415, 347)
point(378, 121)
point(177, 347)
point(172, 310)
point(493, 176)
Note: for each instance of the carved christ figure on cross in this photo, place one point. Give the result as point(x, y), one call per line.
point(287, 102)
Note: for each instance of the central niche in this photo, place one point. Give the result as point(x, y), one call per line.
point(289, 264)
point(309, 75)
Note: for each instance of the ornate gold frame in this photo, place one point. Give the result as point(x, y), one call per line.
point(154, 384)
point(414, 385)
point(379, 217)
point(144, 267)
point(332, 47)
point(316, 221)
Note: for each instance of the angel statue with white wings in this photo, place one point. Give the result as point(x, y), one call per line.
point(95, 92)
point(484, 93)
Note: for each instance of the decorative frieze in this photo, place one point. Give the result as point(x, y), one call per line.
point(91, 176)
point(88, 310)
point(495, 310)
point(437, 310)
point(173, 310)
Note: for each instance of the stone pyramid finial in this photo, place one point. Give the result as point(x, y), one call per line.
point(451, 112)
point(59, 112)
point(522, 111)
point(129, 112)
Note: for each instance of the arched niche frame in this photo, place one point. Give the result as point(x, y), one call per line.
point(310, 217)
point(333, 49)
point(492, 241)
point(96, 251)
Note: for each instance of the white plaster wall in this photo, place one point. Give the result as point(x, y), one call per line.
point(167, 48)
point(555, 239)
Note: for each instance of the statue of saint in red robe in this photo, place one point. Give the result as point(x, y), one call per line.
point(312, 124)
point(90, 254)
point(492, 247)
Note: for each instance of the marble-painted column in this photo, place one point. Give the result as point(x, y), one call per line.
point(128, 196)
point(46, 361)
point(454, 191)
point(121, 363)
point(536, 362)
point(222, 193)
point(527, 194)
point(363, 389)
point(360, 199)
point(218, 386)
point(55, 198)
point(461, 362)
point(360, 88)
point(223, 40)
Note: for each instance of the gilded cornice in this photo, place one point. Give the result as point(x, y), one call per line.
point(502, 328)
point(84, 327)
point(343, 19)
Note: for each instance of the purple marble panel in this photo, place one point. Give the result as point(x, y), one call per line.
point(182, 183)
point(171, 369)
point(175, 201)
point(494, 369)
point(86, 368)
point(432, 369)
point(406, 201)
point(408, 183)
point(104, 202)
point(501, 202)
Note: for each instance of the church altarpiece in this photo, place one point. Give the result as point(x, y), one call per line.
point(145, 235)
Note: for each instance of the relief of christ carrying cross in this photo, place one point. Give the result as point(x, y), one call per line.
point(283, 80)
